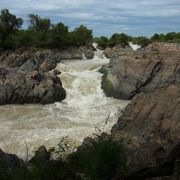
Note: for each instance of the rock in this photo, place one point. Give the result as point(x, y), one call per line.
point(88, 52)
point(25, 78)
point(9, 161)
point(117, 51)
point(25, 75)
point(40, 155)
point(150, 126)
point(170, 167)
point(76, 53)
point(56, 72)
point(34, 74)
point(144, 71)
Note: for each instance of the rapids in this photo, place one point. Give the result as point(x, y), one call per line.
point(134, 46)
point(84, 108)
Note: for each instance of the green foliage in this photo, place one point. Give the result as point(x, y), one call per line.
point(102, 41)
point(100, 159)
point(141, 40)
point(107, 86)
point(156, 37)
point(59, 36)
point(39, 24)
point(119, 39)
point(42, 33)
point(171, 37)
point(64, 149)
point(82, 36)
point(9, 24)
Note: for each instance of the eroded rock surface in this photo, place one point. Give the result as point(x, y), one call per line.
point(141, 71)
point(25, 77)
point(150, 124)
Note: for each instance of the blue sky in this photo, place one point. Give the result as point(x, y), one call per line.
point(105, 17)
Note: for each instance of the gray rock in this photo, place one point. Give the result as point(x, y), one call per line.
point(25, 78)
point(131, 74)
point(149, 126)
point(117, 51)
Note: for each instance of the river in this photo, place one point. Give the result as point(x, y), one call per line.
point(84, 108)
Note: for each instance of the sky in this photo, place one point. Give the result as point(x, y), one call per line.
point(104, 17)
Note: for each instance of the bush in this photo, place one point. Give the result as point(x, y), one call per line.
point(102, 41)
point(82, 36)
point(141, 40)
point(119, 39)
point(100, 159)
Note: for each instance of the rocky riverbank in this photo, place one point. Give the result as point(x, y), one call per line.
point(141, 71)
point(26, 76)
point(150, 124)
point(149, 127)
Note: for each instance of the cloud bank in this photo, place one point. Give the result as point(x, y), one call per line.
point(134, 17)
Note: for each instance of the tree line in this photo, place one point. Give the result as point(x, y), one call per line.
point(41, 33)
point(123, 39)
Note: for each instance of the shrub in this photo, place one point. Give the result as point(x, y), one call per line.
point(100, 159)
point(102, 41)
point(119, 39)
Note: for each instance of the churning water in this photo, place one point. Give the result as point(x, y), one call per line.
point(85, 107)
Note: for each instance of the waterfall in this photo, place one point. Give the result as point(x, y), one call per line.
point(134, 46)
point(98, 54)
point(85, 106)
point(83, 56)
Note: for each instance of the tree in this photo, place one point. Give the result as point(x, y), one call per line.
point(170, 36)
point(102, 41)
point(82, 36)
point(9, 23)
point(99, 159)
point(39, 24)
point(59, 35)
point(141, 40)
point(156, 37)
point(119, 39)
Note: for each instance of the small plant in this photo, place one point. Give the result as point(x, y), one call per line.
point(65, 147)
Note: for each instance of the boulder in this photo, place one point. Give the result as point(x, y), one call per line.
point(117, 51)
point(144, 71)
point(25, 78)
point(9, 161)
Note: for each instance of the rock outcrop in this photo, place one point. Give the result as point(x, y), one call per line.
point(117, 51)
point(150, 124)
point(76, 53)
point(25, 77)
point(9, 163)
point(141, 71)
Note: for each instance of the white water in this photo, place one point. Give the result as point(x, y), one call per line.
point(98, 54)
point(86, 106)
point(83, 56)
point(134, 46)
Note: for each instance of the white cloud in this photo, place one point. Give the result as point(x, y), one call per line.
point(104, 16)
